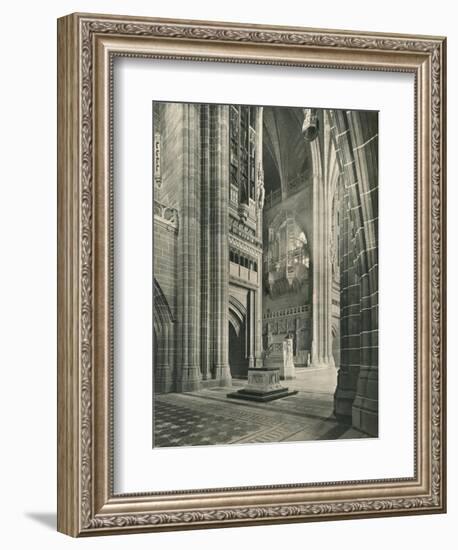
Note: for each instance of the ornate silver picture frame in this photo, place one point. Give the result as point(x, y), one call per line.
point(88, 504)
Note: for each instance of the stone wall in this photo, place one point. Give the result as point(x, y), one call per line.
point(356, 140)
point(191, 245)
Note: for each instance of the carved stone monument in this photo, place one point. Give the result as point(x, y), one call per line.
point(264, 382)
point(281, 356)
point(263, 385)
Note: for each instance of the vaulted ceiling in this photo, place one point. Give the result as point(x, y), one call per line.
point(286, 156)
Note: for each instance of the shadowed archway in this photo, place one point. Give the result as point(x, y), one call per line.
point(238, 360)
point(163, 346)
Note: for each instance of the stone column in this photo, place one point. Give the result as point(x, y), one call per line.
point(321, 261)
point(188, 284)
point(250, 327)
point(356, 396)
point(260, 197)
point(350, 329)
point(364, 145)
point(206, 237)
point(219, 174)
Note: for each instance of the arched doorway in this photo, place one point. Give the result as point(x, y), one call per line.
point(163, 342)
point(238, 357)
point(237, 360)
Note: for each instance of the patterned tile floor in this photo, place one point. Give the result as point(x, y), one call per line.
point(208, 417)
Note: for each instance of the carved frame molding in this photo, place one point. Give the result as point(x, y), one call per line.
point(87, 45)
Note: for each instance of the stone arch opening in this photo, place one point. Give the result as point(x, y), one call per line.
point(238, 359)
point(163, 343)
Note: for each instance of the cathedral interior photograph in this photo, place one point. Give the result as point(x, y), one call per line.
point(265, 274)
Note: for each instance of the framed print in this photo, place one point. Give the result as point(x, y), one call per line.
point(251, 289)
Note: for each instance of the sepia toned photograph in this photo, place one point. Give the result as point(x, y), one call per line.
point(265, 274)
point(220, 261)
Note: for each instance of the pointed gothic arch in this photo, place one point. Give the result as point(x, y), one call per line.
point(163, 347)
point(237, 325)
